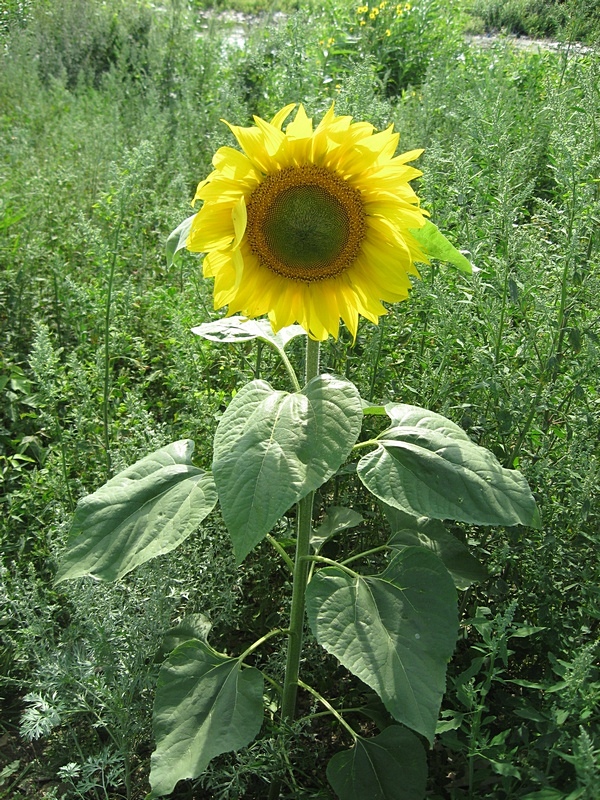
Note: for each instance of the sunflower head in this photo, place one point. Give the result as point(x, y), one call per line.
point(309, 225)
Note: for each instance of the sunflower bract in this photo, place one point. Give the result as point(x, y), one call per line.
point(309, 225)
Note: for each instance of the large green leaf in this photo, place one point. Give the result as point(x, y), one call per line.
point(240, 329)
point(424, 532)
point(435, 244)
point(143, 512)
point(273, 448)
point(391, 766)
point(426, 465)
point(395, 631)
point(206, 704)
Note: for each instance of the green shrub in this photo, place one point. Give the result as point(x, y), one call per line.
point(571, 19)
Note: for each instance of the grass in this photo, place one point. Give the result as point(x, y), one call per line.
point(108, 120)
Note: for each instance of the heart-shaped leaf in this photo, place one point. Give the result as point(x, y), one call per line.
point(426, 465)
point(206, 704)
point(395, 631)
point(143, 512)
point(391, 766)
point(273, 448)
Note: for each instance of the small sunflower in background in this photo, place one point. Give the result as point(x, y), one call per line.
point(309, 225)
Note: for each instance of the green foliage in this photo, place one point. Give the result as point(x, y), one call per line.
point(114, 35)
point(372, 768)
point(145, 511)
point(272, 448)
point(403, 39)
point(409, 531)
point(205, 705)
point(390, 631)
point(107, 124)
point(426, 465)
point(395, 630)
point(572, 19)
point(437, 246)
point(14, 13)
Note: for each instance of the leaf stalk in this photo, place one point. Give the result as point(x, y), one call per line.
point(329, 708)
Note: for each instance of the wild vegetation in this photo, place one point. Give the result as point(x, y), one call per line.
point(110, 113)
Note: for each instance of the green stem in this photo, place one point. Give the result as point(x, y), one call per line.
point(313, 356)
point(288, 561)
point(17, 781)
point(273, 683)
point(301, 567)
point(331, 563)
point(557, 344)
point(365, 553)
point(375, 370)
point(342, 711)
point(288, 366)
point(58, 428)
point(290, 370)
point(533, 410)
point(329, 707)
point(109, 292)
point(255, 645)
point(292, 666)
point(259, 348)
point(366, 443)
point(106, 392)
point(473, 750)
point(500, 331)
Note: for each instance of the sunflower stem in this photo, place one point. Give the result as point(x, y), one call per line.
point(301, 567)
point(313, 357)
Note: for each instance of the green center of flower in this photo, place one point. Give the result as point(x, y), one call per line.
point(306, 228)
point(305, 223)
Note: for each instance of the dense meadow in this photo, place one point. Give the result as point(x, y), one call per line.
point(110, 113)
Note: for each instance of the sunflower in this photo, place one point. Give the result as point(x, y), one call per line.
point(309, 225)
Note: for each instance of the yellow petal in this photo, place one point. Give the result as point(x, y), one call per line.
point(252, 143)
point(240, 219)
point(301, 125)
point(282, 115)
point(210, 231)
point(273, 138)
point(230, 162)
